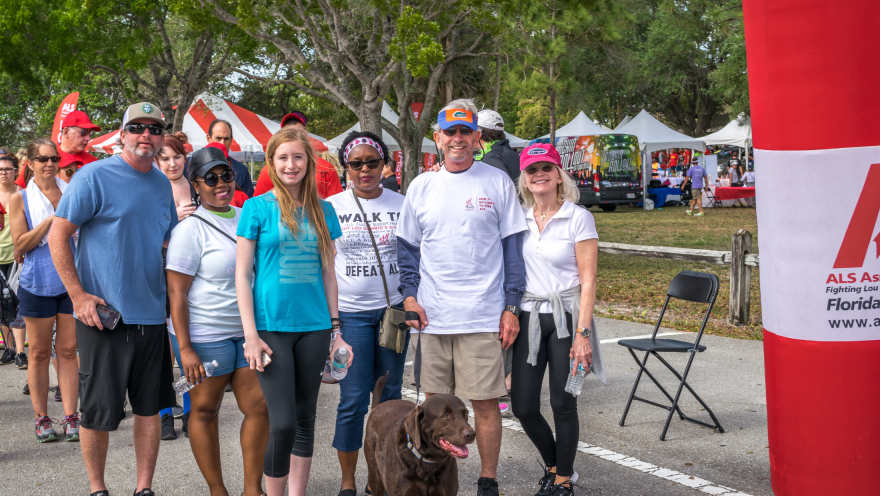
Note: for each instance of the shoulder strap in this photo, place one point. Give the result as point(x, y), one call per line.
point(376, 248)
point(215, 228)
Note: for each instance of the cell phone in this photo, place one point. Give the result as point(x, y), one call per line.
point(265, 358)
point(109, 317)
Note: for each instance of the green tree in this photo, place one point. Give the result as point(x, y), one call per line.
point(544, 34)
point(355, 54)
point(148, 51)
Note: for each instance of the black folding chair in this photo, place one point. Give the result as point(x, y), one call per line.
point(698, 287)
point(716, 203)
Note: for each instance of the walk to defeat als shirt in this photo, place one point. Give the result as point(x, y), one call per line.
point(357, 270)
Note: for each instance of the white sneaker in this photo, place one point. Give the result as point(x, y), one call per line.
point(689, 212)
point(699, 214)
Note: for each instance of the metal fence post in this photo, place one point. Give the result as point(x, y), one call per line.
point(740, 278)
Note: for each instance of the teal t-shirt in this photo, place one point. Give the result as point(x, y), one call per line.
point(288, 289)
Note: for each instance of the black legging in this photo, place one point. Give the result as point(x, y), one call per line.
point(290, 385)
point(525, 394)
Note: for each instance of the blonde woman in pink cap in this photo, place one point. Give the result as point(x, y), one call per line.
point(557, 330)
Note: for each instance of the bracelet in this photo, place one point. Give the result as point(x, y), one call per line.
point(338, 322)
point(334, 335)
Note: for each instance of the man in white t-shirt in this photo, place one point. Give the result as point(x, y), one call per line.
point(461, 269)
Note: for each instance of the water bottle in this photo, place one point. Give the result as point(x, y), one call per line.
point(576, 382)
point(182, 385)
point(340, 361)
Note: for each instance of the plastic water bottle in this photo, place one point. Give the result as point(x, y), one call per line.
point(576, 382)
point(340, 361)
point(182, 385)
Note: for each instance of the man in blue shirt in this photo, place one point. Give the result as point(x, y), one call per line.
point(695, 177)
point(124, 210)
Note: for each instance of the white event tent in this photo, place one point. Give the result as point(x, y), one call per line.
point(516, 143)
point(624, 122)
point(733, 133)
point(654, 135)
point(389, 114)
point(581, 125)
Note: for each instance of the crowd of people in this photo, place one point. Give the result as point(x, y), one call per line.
point(252, 287)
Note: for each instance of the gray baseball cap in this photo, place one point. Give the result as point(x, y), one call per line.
point(144, 110)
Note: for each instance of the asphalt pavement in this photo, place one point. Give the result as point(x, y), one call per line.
point(612, 460)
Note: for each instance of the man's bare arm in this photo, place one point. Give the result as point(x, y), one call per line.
point(62, 256)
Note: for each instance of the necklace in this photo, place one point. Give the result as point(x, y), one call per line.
point(544, 215)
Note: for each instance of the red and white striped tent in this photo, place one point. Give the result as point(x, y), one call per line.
point(106, 143)
point(250, 132)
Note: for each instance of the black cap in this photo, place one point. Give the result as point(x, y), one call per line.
point(206, 159)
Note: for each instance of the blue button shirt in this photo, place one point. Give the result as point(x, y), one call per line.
point(124, 216)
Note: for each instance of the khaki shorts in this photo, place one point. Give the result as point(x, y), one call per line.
point(466, 365)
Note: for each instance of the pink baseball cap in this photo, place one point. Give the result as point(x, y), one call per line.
point(539, 152)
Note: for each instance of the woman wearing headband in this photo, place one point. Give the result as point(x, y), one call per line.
point(286, 247)
point(362, 290)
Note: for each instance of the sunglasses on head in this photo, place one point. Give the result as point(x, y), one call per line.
point(533, 169)
point(43, 160)
point(154, 129)
point(212, 179)
point(357, 165)
point(463, 130)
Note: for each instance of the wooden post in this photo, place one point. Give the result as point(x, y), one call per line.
point(740, 278)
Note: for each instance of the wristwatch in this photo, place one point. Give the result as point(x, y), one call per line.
point(585, 332)
point(512, 309)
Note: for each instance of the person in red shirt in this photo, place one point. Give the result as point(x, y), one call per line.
point(239, 197)
point(76, 132)
point(326, 177)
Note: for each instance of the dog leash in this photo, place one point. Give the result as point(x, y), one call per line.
point(417, 361)
point(414, 452)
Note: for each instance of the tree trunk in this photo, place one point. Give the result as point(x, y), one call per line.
point(370, 116)
point(497, 82)
point(551, 95)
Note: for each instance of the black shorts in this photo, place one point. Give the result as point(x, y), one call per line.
point(5, 269)
point(43, 307)
point(131, 358)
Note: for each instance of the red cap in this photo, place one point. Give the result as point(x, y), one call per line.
point(219, 146)
point(294, 115)
point(79, 118)
point(539, 152)
point(67, 160)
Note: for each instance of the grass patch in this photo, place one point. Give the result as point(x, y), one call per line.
point(673, 227)
point(633, 288)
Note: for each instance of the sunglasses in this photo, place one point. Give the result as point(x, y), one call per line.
point(212, 179)
point(85, 132)
point(357, 165)
point(154, 129)
point(69, 171)
point(43, 160)
point(533, 169)
point(463, 130)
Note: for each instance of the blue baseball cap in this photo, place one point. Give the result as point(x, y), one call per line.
point(457, 117)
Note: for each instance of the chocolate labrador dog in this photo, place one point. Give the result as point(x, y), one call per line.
point(411, 450)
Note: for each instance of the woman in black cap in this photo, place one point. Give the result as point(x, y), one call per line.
point(206, 324)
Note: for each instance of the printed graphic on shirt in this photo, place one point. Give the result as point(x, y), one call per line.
point(297, 263)
point(469, 205)
point(355, 243)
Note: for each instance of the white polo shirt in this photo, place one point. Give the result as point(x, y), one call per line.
point(551, 263)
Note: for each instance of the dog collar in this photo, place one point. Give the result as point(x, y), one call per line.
point(409, 445)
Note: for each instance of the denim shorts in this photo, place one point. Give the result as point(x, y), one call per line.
point(42, 307)
point(229, 354)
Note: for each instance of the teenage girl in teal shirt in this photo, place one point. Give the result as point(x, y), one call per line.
point(290, 308)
